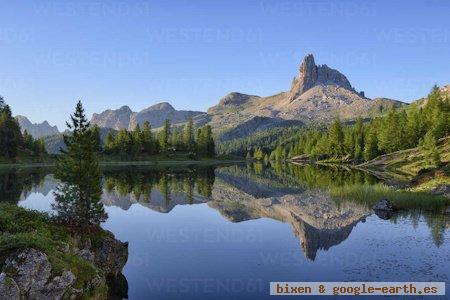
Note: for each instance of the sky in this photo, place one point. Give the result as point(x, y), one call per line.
point(192, 53)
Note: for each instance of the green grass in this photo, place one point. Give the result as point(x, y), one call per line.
point(401, 199)
point(20, 229)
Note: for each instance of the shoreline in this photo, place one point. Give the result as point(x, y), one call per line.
point(128, 163)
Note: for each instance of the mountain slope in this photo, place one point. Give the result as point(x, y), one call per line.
point(125, 118)
point(158, 113)
point(318, 94)
point(116, 119)
point(36, 130)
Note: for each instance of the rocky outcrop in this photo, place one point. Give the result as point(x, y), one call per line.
point(311, 75)
point(384, 209)
point(125, 118)
point(318, 94)
point(116, 119)
point(158, 113)
point(28, 273)
point(36, 130)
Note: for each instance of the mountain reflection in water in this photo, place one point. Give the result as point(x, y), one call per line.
point(199, 232)
point(288, 193)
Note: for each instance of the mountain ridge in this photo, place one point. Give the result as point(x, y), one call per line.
point(37, 130)
point(156, 114)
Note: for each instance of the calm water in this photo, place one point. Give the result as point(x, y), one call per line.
point(226, 232)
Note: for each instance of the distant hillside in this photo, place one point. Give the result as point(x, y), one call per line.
point(54, 143)
point(125, 118)
point(36, 130)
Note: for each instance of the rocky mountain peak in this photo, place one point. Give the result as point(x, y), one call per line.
point(166, 106)
point(234, 99)
point(35, 129)
point(311, 75)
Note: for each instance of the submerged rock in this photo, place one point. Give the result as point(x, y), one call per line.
point(384, 204)
point(384, 209)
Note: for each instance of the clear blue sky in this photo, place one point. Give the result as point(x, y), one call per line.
point(191, 53)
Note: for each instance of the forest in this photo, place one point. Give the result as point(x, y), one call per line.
point(140, 142)
point(12, 142)
point(420, 124)
point(197, 142)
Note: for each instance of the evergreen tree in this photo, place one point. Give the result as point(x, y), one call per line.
point(148, 143)
point(430, 149)
point(336, 138)
point(10, 135)
point(188, 135)
point(258, 154)
point(136, 140)
point(249, 156)
point(110, 143)
point(371, 147)
point(78, 197)
point(165, 135)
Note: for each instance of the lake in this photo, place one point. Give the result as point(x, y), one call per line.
point(225, 232)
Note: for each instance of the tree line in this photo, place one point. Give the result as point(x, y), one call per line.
point(12, 141)
point(198, 142)
point(422, 124)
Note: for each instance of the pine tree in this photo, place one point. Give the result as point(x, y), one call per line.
point(371, 146)
point(258, 154)
point(110, 143)
point(430, 149)
point(78, 197)
point(136, 141)
point(164, 136)
point(249, 156)
point(188, 135)
point(336, 138)
point(148, 144)
point(10, 135)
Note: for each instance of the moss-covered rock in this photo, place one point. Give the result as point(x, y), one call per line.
point(45, 260)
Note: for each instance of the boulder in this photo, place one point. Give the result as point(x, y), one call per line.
point(27, 273)
point(384, 204)
point(8, 288)
point(29, 268)
point(111, 256)
point(384, 209)
point(441, 190)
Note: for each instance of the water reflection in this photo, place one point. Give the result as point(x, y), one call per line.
point(16, 184)
point(287, 193)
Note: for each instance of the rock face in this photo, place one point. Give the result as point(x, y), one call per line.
point(115, 119)
point(36, 130)
point(27, 273)
point(125, 118)
point(318, 94)
point(111, 256)
point(158, 113)
point(311, 75)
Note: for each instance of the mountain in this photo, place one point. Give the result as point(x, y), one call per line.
point(318, 94)
point(36, 130)
point(115, 119)
point(125, 118)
